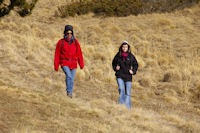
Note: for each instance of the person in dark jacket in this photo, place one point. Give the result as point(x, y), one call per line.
point(67, 54)
point(125, 65)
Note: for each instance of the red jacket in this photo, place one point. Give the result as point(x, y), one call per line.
point(68, 55)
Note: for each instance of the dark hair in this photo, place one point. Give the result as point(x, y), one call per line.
point(120, 48)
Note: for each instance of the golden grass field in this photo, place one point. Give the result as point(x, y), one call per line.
point(166, 89)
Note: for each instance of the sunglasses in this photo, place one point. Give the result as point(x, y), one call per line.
point(68, 33)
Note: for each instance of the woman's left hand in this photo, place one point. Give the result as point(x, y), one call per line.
point(130, 71)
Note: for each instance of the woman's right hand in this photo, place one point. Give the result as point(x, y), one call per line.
point(118, 67)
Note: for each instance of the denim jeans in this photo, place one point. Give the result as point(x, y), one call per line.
point(70, 75)
point(124, 92)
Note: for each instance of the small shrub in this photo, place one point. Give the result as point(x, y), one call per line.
point(79, 8)
point(102, 7)
point(1, 1)
point(24, 8)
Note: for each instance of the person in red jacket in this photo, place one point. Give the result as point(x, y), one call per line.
point(68, 53)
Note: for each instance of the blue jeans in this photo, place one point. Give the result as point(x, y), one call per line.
point(70, 75)
point(124, 92)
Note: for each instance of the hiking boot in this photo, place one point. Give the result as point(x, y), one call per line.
point(69, 95)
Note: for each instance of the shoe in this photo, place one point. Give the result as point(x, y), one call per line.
point(69, 95)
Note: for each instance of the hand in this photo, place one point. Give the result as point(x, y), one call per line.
point(130, 71)
point(81, 67)
point(118, 67)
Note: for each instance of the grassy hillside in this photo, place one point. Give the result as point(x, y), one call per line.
point(166, 89)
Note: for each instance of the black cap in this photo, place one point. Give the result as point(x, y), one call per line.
point(68, 27)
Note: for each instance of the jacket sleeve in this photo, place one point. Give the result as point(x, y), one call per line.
point(79, 55)
point(115, 62)
point(57, 56)
point(134, 65)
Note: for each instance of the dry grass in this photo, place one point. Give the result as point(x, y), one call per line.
point(166, 88)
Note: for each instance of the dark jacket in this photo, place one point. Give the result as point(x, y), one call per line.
point(130, 62)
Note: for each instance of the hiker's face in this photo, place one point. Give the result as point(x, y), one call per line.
point(69, 33)
point(125, 48)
